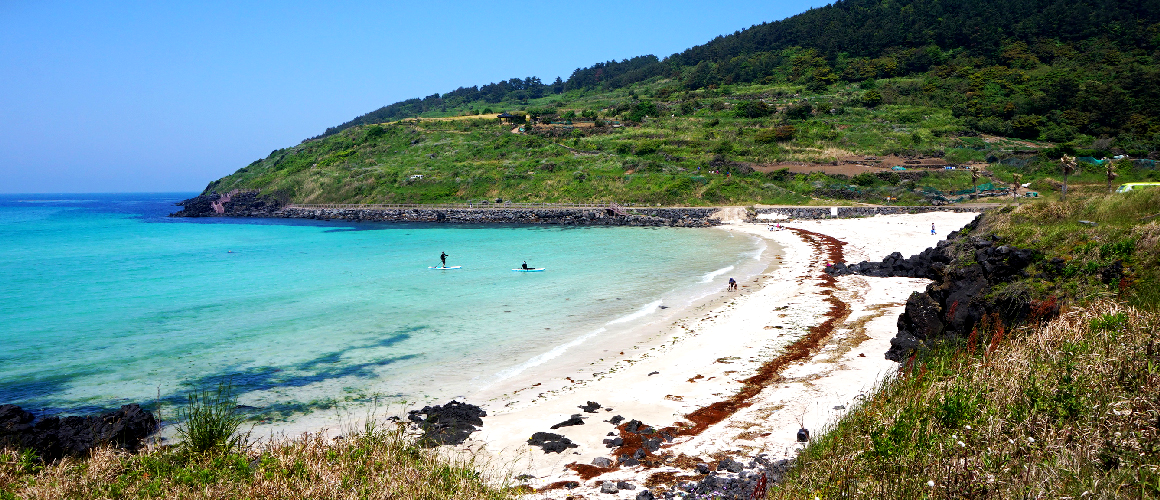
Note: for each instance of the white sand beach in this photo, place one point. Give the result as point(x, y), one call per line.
point(839, 329)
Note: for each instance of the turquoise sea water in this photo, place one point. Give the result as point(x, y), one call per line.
point(104, 301)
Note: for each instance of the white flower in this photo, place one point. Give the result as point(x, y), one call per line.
point(930, 484)
point(967, 427)
point(954, 436)
point(1030, 440)
point(961, 444)
point(1009, 440)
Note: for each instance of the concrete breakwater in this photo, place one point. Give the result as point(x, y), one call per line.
point(675, 217)
point(252, 204)
point(848, 212)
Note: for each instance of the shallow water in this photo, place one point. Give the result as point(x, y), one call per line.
point(105, 301)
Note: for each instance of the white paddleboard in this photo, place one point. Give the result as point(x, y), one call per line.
point(532, 270)
point(446, 268)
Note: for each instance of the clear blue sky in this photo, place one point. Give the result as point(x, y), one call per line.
point(168, 96)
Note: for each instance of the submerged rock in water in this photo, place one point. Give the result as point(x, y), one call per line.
point(451, 423)
point(54, 437)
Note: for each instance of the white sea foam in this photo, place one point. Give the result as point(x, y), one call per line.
point(640, 313)
point(708, 277)
point(545, 357)
point(761, 246)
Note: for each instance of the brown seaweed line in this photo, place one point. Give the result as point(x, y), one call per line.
point(705, 417)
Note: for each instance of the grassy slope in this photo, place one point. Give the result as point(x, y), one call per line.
point(1054, 408)
point(663, 160)
point(369, 464)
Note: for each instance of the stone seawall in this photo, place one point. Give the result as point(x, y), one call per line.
point(848, 212)
point(676, 217)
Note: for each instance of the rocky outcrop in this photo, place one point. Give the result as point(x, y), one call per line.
point(451, 423)
point(55, 437)
point(964, 269)
point(234, 204)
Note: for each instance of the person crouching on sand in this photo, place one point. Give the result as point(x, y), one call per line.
point(732, 284)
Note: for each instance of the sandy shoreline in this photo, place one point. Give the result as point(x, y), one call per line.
point(731, 375)
point(715, 355)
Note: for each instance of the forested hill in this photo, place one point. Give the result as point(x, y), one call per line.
point(856, 40)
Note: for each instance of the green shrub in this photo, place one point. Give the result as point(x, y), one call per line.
point(210, 420)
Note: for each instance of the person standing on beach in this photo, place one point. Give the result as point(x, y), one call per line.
point(931, 228)
point(443, 258)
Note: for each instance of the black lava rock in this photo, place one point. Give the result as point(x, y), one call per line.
point(803, 435)
point(551, 443)
point(451, 423)
point(591, 407)
point(53, 437)
point(576, 419)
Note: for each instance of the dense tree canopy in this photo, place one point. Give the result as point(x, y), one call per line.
point(1049, 69)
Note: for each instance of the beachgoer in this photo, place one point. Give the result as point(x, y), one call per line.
point(931, 228)
point(732, 284)
point(525, 264)
point(443, 258)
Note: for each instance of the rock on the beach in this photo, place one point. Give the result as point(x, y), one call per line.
point(53, 437)
point(451, 423)
point(551, 443)
point(645, 495)
point(608, 487)
point(576, 419)
point(591, 407)
point(625, 485)
point(602, 462)
point(803, 435)
point(730, 465)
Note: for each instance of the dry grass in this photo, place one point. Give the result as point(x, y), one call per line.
point(1066, 409)
point(371, 464)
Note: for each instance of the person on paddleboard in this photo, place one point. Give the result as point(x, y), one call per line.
point(443, 258)
point(525, 264)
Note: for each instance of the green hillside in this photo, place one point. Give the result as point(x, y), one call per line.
point(1014, 84)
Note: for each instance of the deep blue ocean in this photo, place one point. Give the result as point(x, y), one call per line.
point(104, 301)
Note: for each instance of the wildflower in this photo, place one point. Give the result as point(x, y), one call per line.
point(1030, 440)
point(954, 436)
point(961, 444)
point(967, 427)
point(1009, 440)
point(930, 484)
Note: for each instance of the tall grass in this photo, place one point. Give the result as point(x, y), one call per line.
point(210, 420)
point(1066, 409)
point(373, 463)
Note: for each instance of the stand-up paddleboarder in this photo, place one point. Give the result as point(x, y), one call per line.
point(443, 258)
